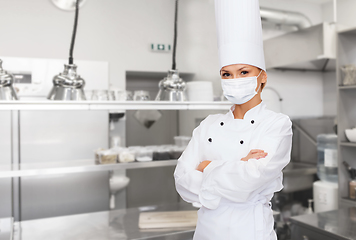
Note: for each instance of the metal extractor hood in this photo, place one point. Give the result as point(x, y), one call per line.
point(311, 49)
point(280, 17)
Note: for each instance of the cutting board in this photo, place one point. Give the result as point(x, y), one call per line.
point(174, 219)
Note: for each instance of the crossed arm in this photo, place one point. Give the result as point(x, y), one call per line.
point(253, 154)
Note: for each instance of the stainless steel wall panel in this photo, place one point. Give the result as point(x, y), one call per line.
point(5, 198)
point(5, 158)
point(62, 135)
point(52, 136)
point(303, 150)
point(152, 186)
point(161, 132)
point(5, 137)
point(67, 194)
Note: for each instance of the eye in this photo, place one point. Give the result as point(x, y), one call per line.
point(244, 72)
point(226, 74)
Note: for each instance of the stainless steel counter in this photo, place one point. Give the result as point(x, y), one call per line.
point(118, 225)
point(337, 224)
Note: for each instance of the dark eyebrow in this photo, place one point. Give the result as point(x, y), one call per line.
point(242, 68)
point(223, 71)
point(229, 71)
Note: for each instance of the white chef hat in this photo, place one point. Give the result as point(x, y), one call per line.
point(239, 31)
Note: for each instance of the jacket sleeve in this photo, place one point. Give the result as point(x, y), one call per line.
point(187, 179)
point(239, 180)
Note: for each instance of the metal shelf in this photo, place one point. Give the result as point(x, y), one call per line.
point(347, 87)
point(348, 201)
point(346, 108)
point(78, 166)
point(348, 144)
point(112, 105)
point(347, 30)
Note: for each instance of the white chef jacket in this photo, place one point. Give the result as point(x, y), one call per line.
point(235, 194)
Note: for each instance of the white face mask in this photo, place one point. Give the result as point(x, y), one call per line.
point(240, 90)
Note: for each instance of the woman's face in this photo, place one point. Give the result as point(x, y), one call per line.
point(243, 70)
point(239, 71)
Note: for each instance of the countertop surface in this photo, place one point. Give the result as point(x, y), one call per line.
point(339, 223)
point(119, 225)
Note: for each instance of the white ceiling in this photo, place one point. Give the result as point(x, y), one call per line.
point(317, 1)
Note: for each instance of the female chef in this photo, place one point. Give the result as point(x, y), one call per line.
point(233, 164)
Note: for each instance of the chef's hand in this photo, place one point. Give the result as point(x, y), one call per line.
point(203, 165)
point(256, 154)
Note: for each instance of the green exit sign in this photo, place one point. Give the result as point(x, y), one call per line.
point(159, 47)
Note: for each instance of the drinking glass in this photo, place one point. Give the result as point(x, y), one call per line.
point(100, 95)
point(141, 95)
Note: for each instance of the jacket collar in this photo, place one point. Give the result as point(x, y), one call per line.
point(252, 114)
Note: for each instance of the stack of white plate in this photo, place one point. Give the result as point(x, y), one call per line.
point(200, 91)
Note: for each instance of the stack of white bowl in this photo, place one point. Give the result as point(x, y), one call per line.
point(351, 134)
point(200, 91)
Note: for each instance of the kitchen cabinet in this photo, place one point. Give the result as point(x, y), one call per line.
point(346, 54)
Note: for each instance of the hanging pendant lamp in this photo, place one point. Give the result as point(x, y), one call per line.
point(172, 87)
point(7, 91)
point(67, 5)
point(68, 85)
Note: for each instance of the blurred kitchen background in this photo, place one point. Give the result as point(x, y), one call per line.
point(126, 47)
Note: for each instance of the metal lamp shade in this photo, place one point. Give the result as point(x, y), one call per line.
point(67, 5)
point(172, 88)
point(7, 91)
point(68, 86)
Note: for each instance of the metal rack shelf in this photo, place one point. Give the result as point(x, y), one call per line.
point(346, 112)
point(348, 144)
point(347, 87)
point(78, 166)
point(347, 31)
point(348, 201)
point(112, 105)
